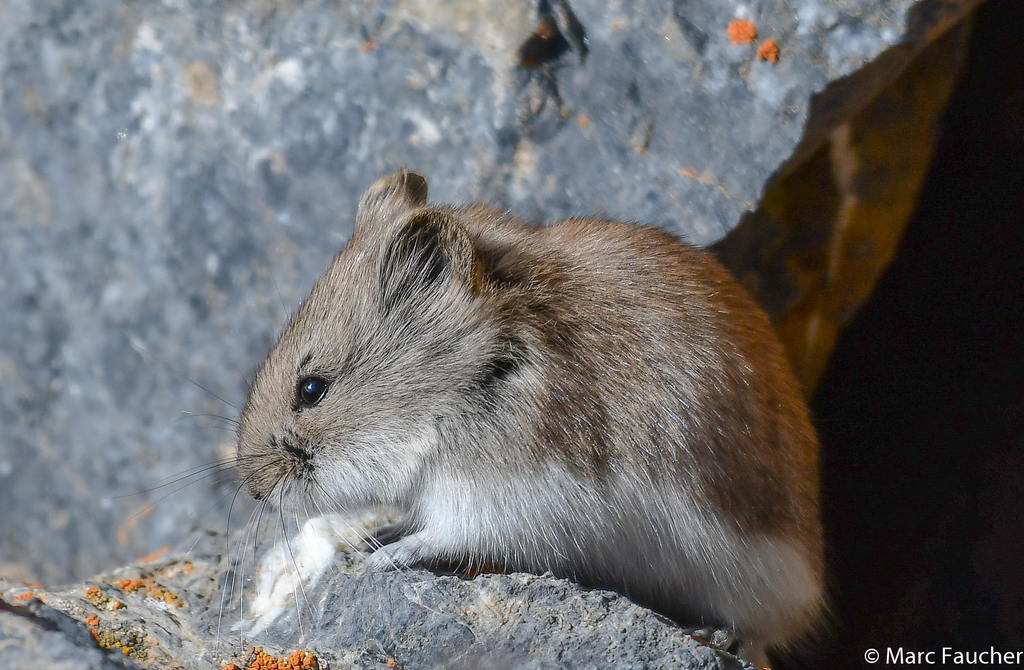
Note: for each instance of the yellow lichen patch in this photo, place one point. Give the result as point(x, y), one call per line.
point(96, 597)
point(100, 600)
point(131, 643)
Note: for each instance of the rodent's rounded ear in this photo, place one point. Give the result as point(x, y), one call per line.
point(390, 197)
point(429, 248)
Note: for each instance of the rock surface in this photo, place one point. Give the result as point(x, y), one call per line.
point(183, 611)
point(37, 636)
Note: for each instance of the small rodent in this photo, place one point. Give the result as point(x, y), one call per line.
point(592, 398)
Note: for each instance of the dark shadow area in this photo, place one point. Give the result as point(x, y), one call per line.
point(921, 413)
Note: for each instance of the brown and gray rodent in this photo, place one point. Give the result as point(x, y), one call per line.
point(592, 398)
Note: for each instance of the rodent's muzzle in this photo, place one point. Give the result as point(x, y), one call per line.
point(280, 458)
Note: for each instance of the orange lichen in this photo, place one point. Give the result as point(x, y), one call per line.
point(96, 597)
point(152, 590)
point(28, 595)
point(92, 620)
point(129, 585)
point(742, 32)
point(299, 660)
point(583, 120)
point(131, 643)
point(155, 556)
point(769, 51)
point(124, 532)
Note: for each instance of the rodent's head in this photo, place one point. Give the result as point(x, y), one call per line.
point(347, 407)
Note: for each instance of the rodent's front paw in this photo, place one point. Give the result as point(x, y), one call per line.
point(720, 638)
point(397, 555)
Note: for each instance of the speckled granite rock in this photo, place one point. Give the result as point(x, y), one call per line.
point(174, 614)
point(176, 174)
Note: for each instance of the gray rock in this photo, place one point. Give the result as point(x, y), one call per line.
point(192, 611)
point(35, 635)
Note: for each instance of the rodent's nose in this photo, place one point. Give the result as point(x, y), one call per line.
point(295, 451)
point(289, 448)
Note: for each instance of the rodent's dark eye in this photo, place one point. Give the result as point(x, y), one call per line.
point(311, 391)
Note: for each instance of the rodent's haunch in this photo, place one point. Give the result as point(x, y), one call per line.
point(592, 398)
